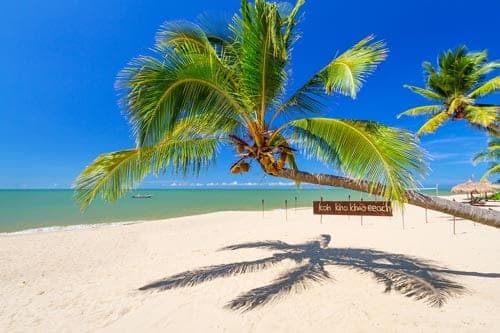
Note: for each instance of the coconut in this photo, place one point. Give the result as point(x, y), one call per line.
point(235, 168)
point(244, 166)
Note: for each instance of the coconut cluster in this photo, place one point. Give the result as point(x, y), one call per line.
point(272, 158)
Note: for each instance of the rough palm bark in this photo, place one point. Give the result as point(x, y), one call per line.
point(480, 215)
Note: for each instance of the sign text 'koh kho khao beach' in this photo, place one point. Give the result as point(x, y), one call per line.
point(367, 208)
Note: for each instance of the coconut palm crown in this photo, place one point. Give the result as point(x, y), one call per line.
point(206, 87)
point(492, 155)
point(455, 86)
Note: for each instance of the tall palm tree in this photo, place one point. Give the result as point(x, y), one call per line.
point(491, 154)
point(455, 85)
point(205, 87)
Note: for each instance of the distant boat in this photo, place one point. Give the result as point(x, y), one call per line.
point(142, 196)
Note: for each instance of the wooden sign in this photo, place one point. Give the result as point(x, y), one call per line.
point(363, 208)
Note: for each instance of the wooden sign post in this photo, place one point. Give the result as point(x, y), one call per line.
point(349, 199)
point(321, 215)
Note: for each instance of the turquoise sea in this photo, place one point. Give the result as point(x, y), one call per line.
point(34, 209)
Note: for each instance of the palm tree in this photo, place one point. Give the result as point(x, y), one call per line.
point(455, 85)
point(204, 88)
point(491, 154)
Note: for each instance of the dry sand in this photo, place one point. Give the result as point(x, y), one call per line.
point(89, 280)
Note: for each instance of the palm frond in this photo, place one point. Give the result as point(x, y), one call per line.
point(262, 54)
point(482, 115)
point(428, 68)
point(429, 94)
point(309, 99)
point(111, 175)
point(419, 110)
point(364, 150)
point(486, 88)
point(291, 22)
point(431, 125)
point(347, 72)
point(486, 156)
point(491, 171)
point(183, 36)
point(344, 74)
point(487, 68)
point(185, 156)
point(491, 154)
point(159, 93)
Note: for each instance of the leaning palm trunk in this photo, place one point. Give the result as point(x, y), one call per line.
point(476, 214)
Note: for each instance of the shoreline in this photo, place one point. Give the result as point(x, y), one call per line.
point(77, 227)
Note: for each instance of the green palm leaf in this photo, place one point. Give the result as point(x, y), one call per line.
point(419, 110)
point(486, 88)
point(291, 23)
point(185, 37)
point(346, 73)
point(431, 125)
point(429, 94)
point(113, 174)
point(158, 94)
point(262, 54)
point(487, 68)
point(482, 115)
point(363, 150)
point(487, 156)
point(491, 154)
point(491, 171)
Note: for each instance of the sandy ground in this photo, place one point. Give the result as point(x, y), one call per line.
point(172, 276)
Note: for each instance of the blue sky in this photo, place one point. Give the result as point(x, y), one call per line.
point(60, 60)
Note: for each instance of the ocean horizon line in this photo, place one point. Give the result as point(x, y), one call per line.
point(218, 187)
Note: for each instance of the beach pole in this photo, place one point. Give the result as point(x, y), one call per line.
point(262, 208)
point(437, 190)
point(286, 210)
point(403, 216)
point(426, 215)
point(361, 215)
point(295, 204)
point(349, 200)
point(321, 215)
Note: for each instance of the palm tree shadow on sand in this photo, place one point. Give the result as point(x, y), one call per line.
point(412, 277)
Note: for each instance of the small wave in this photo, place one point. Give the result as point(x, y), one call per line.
point(67, 228)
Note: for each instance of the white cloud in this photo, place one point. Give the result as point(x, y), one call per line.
point(281, 184)
point(444, 156)
point(456, 139)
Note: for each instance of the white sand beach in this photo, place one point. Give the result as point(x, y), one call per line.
point(90, 280)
